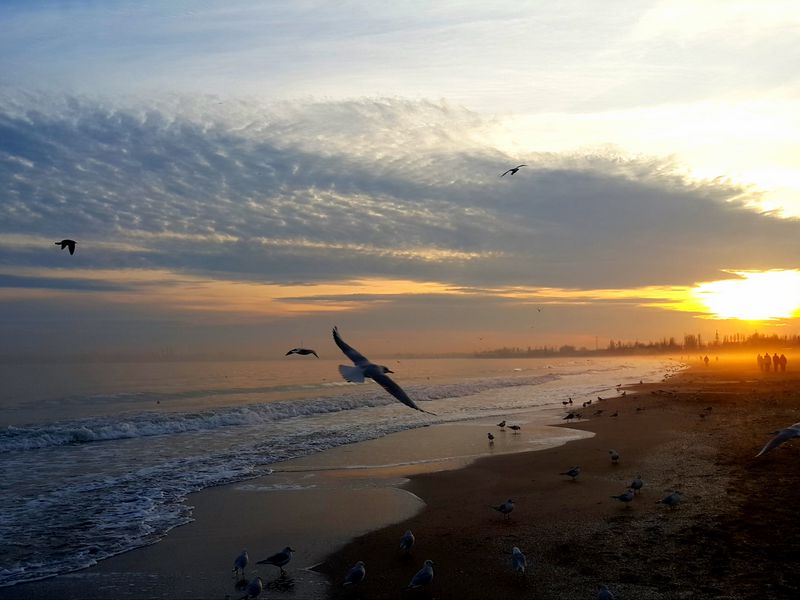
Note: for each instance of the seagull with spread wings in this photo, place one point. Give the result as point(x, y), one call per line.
point(364, 368)
point(67, 244)
point(513, 170)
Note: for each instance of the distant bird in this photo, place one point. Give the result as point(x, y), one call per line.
point(356, 574)
point(616, 413)
point(672, 500)
point(570, 416)
point(565, 403)
point(407, 541)
point(364, 368)
point(502, 424)
point(491, 438)
point(280, 560)
point(67, 244)
point(573, 472)
point(423, 577)
point(505, 508)
point(301, 352)
point(598, 412)
point(518, 562)
point(241, 562)
point(625, 497)
point(636, 484)
point(513, 170)
point(614, 456)
point(514, 428)
point(570, 400)
point(603, 593)
point(254, 588)
point(782, 436)
point(537, 308)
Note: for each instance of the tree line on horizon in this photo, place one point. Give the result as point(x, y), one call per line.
point(692, 343)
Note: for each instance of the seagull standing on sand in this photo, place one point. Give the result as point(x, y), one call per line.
point(513, 171)
point(241, 562)
point(356, 574)
point(280, 560)
point(518, 562)
point(636, 484)
point(254, 588)
point(502, 424)
point(672, 500)
point(423, 577)
point(573, 472)
point(784, 435)
point(67, 244)
point(407, 541)
point(302, 352)
point(491, 437)
point(364, 368)
point(505, 508)
point(514, 428)
point(614, 456)
point(625, 497)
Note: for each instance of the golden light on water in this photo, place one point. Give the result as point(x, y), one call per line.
point(752, 296)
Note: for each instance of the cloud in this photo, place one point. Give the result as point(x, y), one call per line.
point(316, 192)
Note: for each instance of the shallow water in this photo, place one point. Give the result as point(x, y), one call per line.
point(98, 459)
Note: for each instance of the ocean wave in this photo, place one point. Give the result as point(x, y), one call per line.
point(35, 437)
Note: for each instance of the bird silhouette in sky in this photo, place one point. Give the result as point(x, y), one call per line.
point(67, 244)
point(513, 170)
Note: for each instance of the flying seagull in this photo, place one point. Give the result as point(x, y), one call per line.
point(364, 368)
point(355, 575)
point(67, 244)
point(784, 435)
point(302, 352)
point(513, 170)
point(279, 560)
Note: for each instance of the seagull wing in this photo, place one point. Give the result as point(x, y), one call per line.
point(71, 247)
point(274, 559)
point(395, 390)
point(506, 173)
point(784, 435)
point(315, 354)
point(423, 577)
point(350, 352)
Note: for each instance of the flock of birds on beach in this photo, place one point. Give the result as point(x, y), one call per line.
point(362, 369)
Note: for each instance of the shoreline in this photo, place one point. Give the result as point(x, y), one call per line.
point(341, 493)
point(732, 537)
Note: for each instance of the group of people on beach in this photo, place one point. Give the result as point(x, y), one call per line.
point(774, 363)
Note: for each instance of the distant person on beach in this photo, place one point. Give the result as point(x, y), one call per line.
point(705, 360)
point(760, 363)
point(775, 362)
point(767, 362)
point(783, 361)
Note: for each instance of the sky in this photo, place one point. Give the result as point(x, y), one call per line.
point(241, 176)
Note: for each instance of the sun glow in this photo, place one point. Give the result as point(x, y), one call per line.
point(754, 296)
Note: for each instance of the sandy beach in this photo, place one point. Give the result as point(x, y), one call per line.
point(734, 536)
point(697, 432)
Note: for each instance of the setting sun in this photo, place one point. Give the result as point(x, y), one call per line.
point(754, 296)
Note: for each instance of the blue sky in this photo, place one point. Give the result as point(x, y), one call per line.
point(248, 170)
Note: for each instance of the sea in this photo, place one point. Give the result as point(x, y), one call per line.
point(98, 459)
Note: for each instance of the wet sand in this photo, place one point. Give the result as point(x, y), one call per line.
point(315, 504)
point(734, 536)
